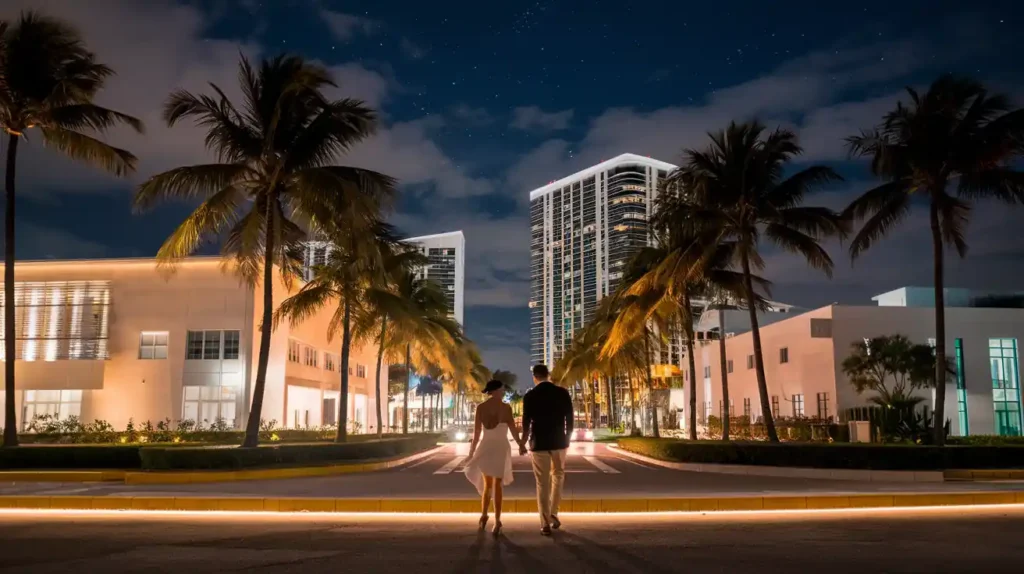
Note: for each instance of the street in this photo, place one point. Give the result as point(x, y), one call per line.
point(592, 471)
point(934, 540)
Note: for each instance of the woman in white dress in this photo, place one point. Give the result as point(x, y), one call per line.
point(489, 467)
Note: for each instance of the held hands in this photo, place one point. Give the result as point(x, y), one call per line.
point(522, 449)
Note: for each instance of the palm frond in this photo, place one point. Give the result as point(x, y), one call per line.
point(309, 300)
point(90, 150)
point(795, 241)
point(886, 216)
point(209, 219)
point(189, 182)
point(77, 117)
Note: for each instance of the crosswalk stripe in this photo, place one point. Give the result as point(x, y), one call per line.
point(600, 465)
point(450, 465)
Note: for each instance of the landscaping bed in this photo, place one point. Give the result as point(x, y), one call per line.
point(830, 456)
point(199, 457)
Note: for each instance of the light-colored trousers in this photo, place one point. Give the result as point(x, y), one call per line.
point(549, 470)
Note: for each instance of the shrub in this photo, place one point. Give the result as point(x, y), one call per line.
point(68, 457)
point(161, 458)
point(986, 440)
point(837, 456)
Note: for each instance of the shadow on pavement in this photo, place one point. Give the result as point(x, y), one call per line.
point(588, 552)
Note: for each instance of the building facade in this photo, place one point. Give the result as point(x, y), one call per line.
point(121, 340)
point(584, 229)
point(447, 265)
point(803, 357)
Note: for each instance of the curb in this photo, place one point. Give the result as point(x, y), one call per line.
point(830, 474)
point(193, 477)
point(429, 506)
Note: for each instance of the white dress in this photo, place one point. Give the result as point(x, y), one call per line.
point(493, 457)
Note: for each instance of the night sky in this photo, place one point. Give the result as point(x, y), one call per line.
point(483, 101)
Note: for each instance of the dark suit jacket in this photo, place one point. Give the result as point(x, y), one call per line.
point(547, 417)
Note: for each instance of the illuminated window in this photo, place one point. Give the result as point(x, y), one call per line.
point(798, 406)
point(153, 345)
point(329, 362)
point(360, 371)
point(961, 388)
point(59, 404)
point(1002, 355)
point(311, 357)
point(207, 345)
point(207, 405)
point(293, 351)
point(823, 405)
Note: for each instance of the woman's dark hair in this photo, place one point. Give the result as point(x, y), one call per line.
point(493, 385)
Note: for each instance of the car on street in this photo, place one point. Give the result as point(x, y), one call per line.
point(582, 435)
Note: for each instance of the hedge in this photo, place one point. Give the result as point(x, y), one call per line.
point(227, 458)
point(836, 455)
point(196, 456)
point(71, 457)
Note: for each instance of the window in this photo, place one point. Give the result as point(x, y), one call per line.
point(312, 358)
point(707, 372)
point(746, 407)
point(329, 363)
point(231, 344)
point(784, 355)
point(207, 405)
point(153, 345)
point(721, 409)
point(823, 406)
point(798, 406)
point(293, 351)
point(775, 406)
point(60, 404)
point(750, 362)
point(207, 345)
point(361, 371)
point(961, 388)
point(330, 412)
point(728, 366)
point(1002, 355)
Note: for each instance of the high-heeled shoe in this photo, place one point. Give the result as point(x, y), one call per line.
point(497, 528)
point(483, 522)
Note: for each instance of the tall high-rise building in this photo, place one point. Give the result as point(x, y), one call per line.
point(584, 229)
point(447, 264)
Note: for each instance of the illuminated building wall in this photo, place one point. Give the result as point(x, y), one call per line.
point(120, 339)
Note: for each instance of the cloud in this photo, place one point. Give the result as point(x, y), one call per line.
point(35, 242)
point(471, 116)
point(532, 118)
point(411, 49)
point(345, 27)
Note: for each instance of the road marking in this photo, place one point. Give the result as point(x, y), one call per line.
point(420, 462)
point(600, 465)
point(450, 465)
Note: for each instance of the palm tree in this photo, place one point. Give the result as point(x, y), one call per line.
point(691, 263)
point(354, 262)
point(952, 145)
point(735, 186)
point(48, 79)
point(274, 183)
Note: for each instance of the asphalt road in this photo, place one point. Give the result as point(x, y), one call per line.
point(592, 471)
point(954, 540)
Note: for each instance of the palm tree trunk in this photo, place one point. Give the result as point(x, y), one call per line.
point(10, 349)
point(632, 407)
point(423, 412)
point(440, 409)
point(346, 347)
point(724, 364)
point(940, 330)
point(692, 363)
point(650, 385)
point(380, 360)
point(252, 429)
point(405, 392)
point(755, 331)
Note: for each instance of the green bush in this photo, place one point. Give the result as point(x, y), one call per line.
point(836, 455)
point(788, 428)
point(986, 440)
point(71, 457)
point(224, 458)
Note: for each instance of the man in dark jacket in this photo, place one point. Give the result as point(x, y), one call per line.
point(547, 425)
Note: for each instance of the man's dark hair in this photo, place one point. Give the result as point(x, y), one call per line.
point(541, 372)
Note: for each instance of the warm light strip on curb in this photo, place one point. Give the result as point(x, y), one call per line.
point(454, 515)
